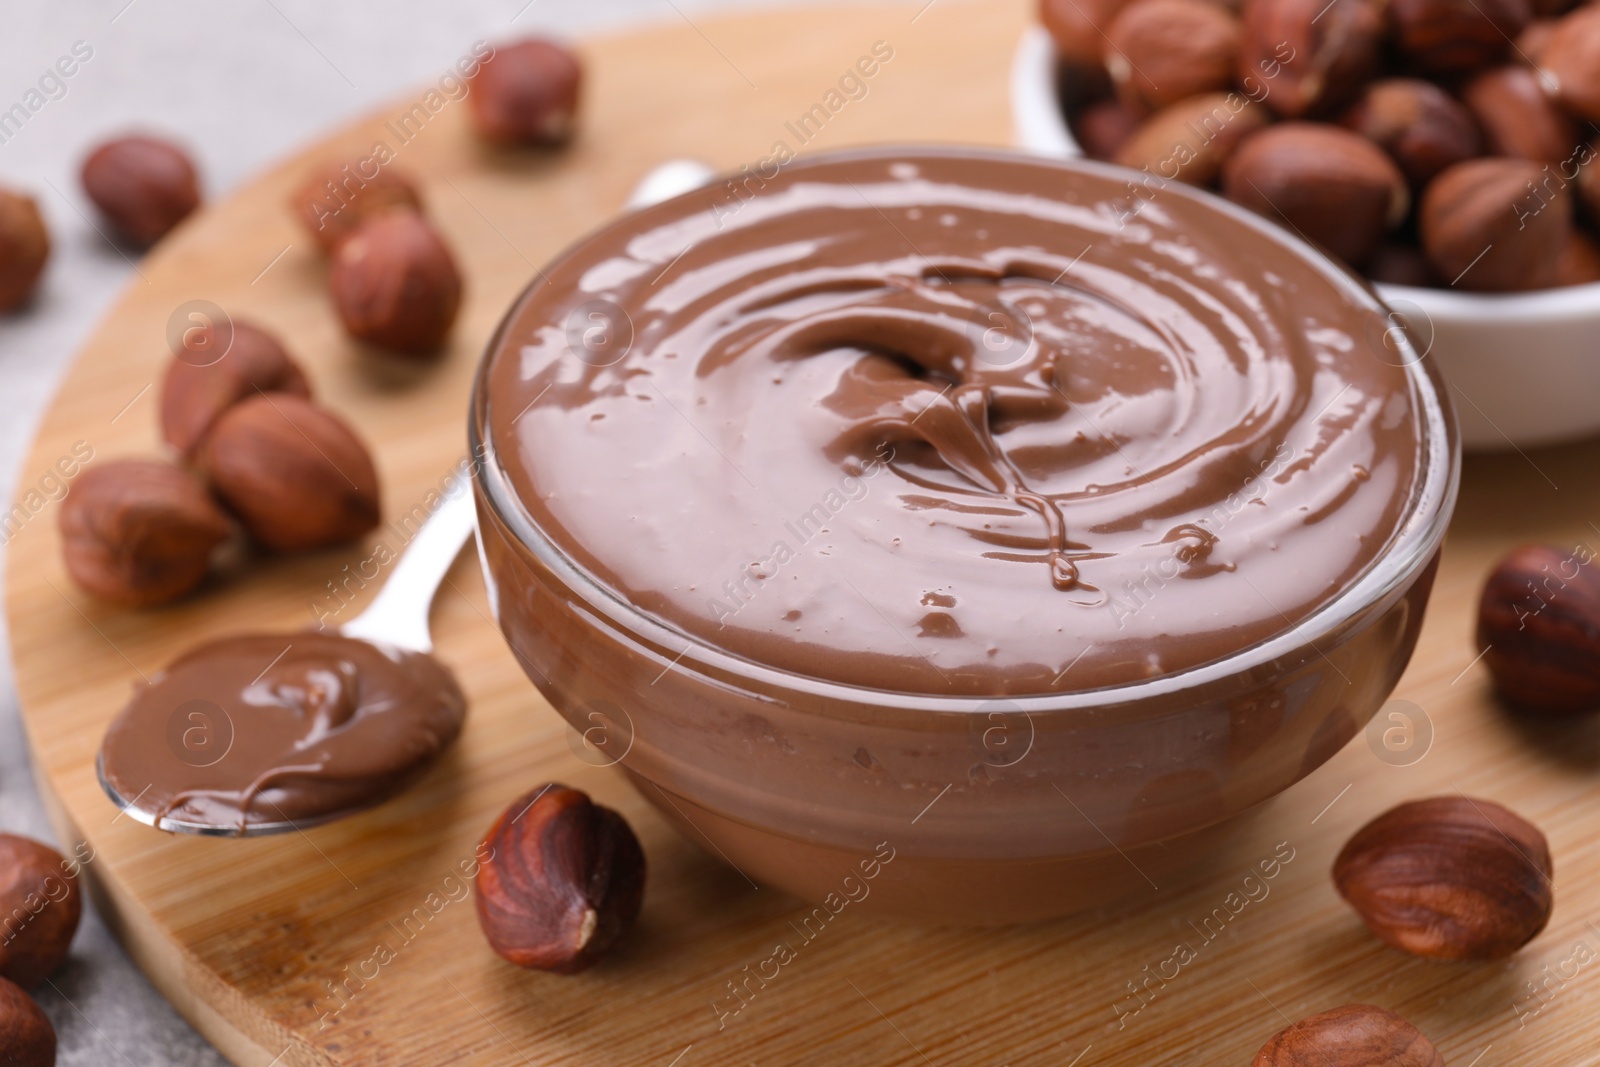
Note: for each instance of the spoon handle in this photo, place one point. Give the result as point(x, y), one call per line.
point(398, 615)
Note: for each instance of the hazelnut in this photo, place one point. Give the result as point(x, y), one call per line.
point(525, 93)
point(1495, 225)
point(1105, 126)
point(1580, 261)
point(1356, 1035)
point(1190, 140)
point(1448, 878)
point(39, 910)
point(26, 1037)
point(395, 284)
point(1401, 264)
point(1422, 127)
point(1332, 48)
point(1539, 616)
point(1078, 27)
point(296, 475)
point(1327, 184)
point(1162, 51)
point(337, 198)
point(1517, 118)
point(142, 185)
point(1530, 43)
point(24, 247)
point(219, 365)
point(563, 883)
point(139, 532)
point(1455, 36)
point(1570, 62)
point(1589, 180)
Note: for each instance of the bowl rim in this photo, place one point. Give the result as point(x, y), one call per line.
point(1411, 547)
point(1042, 127)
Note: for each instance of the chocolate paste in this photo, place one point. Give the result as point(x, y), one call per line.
point(268, 728)
point(932, 424)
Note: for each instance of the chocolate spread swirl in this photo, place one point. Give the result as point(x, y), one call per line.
point(956, 423)
point(270, 728)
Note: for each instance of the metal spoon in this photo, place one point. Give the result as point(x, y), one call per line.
point(398, 616)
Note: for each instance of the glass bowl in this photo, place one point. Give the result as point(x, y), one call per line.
point(947, 809)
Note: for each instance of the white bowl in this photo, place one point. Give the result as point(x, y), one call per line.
point(1524, 368)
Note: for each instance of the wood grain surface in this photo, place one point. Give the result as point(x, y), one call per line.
point(355, 944)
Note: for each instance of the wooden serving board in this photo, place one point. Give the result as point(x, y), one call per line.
point(251, 939)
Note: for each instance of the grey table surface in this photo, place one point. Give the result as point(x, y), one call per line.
point(244, 84)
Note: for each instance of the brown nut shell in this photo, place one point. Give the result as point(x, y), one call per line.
point(1103, 127)
point(40, 907)
point(219, 365)
point(1423, 128)
point(24, 248)
point(337, 197)
point(1570, 62)
point(1449, 878)
point(1580, 261)
point(1517, 118)
point(1162, 51)
point(1539, 618)
point(396, 285)
point(294, 473)
point(139, 532)
point(1325, 183)
point(1449, 37)
point(1356, 1035)
point(1190, 141)
point(1078, 27)
point(525, 93)
point(144, 186)
point(1310, 55)
point(1496, 225)
point(563, 881)
point(26, 1037)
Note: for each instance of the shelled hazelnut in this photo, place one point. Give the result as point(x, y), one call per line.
point(26, 1037)
point(144, 186)
point(337, 197)
point(1078, 27)
point(1422, 127)
point(1105, 126)
point(1445, 37)
point(1517, 118)
point(395, 284)
point(1326, 183)
point(525, 93)
point(295, 474)
point(24, 248)
point(1570, 60)
point(1494, 225)
point(41, 904)
point(1162, 51)
point(139, 532)
point(219, 365)
point(563, 884)
point(1539, 618)
point(1449, 878)
point(1356, 1035)
point(1312, 54)
point(1189, 140)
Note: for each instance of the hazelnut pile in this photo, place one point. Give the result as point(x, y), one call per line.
point(40, 906)
point(1421, 142)
point(255, 452)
